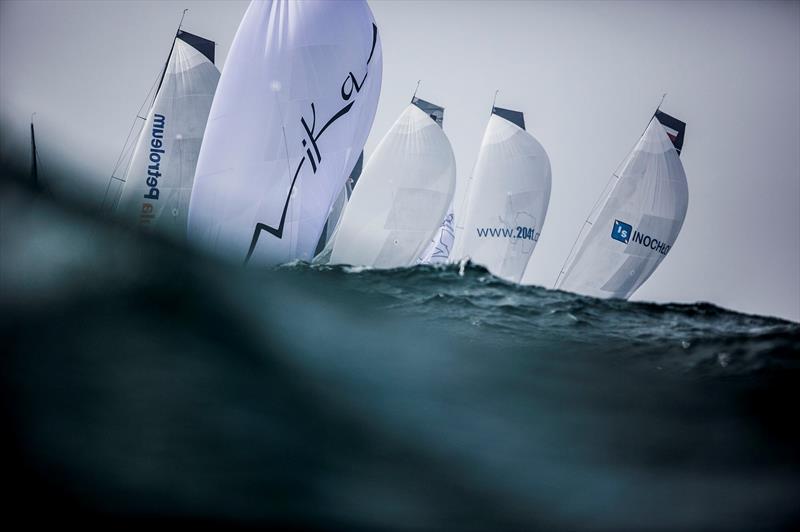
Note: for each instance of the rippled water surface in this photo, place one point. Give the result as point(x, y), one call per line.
point(144, 381)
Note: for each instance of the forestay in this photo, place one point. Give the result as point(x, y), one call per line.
point(506, 200)
point(158, 183)
point(402, 196)
point(291, 115)
point(637, 220)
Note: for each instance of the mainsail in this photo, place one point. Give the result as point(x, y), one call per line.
point(506, 200)
point(290, 117)
point(637, 219)
point(403, 193)
point(158, 181)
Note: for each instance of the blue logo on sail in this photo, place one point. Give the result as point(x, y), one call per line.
point(621, 231)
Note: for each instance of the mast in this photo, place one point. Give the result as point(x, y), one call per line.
point(172, 49)
point(34, 156)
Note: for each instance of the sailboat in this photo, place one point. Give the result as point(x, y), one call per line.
point(157, 182)
point(506, 199)
point(403, 194)
point(637, 219)
point(292, 112)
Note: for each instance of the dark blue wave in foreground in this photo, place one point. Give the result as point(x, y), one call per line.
point(144, 384)
point(698, 338)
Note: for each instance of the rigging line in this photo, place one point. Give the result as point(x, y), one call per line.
point(128, 146)
point(663, 96)
point(125, 146)
point(494, 101)
point(183, 15)
point(415, 90)
point(604, 195)
point(169, 56)
point(599, 200)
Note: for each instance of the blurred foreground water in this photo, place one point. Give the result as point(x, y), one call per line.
point(143, 383)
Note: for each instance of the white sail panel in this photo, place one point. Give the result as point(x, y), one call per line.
point(507, 199)
point(290, 117)
point(401, 197)
point(161, 173)
point(636, 223)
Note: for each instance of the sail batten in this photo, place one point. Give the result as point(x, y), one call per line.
point(637, 220)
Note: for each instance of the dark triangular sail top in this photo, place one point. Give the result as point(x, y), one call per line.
point(515, 117)
point(674, 127)
point(204, 46)
point(434, 111)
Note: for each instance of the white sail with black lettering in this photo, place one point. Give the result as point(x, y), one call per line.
point(402, 195)
point(290, 117)
point(637, 219)
point(158, 183)
point(506, 200)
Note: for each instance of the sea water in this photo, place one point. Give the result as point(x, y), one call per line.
point(144, 381)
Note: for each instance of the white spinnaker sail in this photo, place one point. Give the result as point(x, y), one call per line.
point(159, 179)
point(636, 223)
point(290, 117)
point(506, 200)
point(401, 197)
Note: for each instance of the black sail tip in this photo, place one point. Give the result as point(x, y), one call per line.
point(675, 128)
point(515, 117)
point(434, 111)
point(204, 46)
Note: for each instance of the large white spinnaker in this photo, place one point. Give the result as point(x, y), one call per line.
point(290, 117)
point(637, 220)
point(506, 200)
point(402, 195)
point(158, 182)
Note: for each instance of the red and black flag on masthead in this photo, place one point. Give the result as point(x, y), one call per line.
point(675, 129)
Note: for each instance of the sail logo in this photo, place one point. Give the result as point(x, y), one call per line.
point(521, 233)
point(624, 233)
point(621, 231)
point(153, 169)
point(349, 87)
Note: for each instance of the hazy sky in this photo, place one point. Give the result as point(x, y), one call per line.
point(587, 76)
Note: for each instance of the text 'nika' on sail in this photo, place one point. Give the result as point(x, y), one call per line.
point(403, 194)
point(292, 112)
point(637, 220)
point(506, 199)
point(157, 183)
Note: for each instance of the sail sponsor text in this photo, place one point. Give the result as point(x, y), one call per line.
point(513, 233)
point(624, 232)
point(157, 151)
